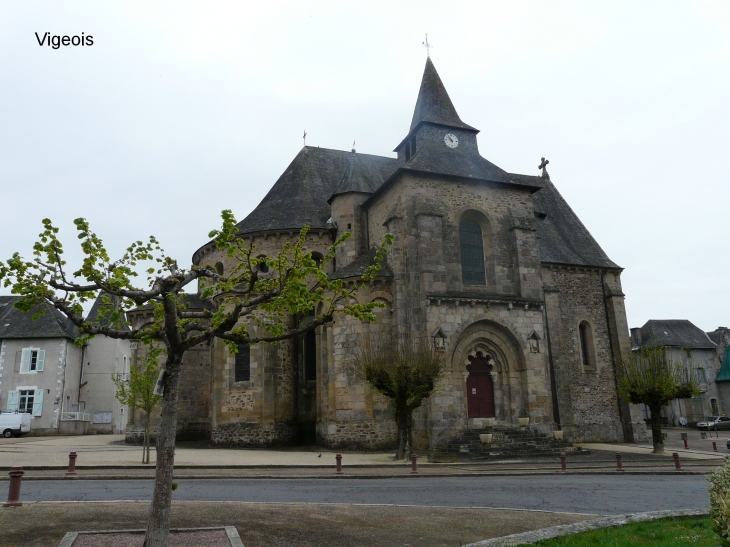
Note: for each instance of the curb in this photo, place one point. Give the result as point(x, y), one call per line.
point(345, 476)
point(231, 532)
point(530, 538)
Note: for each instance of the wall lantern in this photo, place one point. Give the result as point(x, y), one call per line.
point(439, 340)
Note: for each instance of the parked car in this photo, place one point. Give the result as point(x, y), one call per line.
point(14, 423)
point(715, 422)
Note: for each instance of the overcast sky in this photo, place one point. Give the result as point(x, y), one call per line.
point(181, 109)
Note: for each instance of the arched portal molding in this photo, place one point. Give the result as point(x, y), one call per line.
point(493, 340)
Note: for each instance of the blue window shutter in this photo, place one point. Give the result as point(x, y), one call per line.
point(38, 402)
point(13, 399)
point(25, 360)
point(41, 360)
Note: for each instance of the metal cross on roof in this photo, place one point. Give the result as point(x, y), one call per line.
point(427, 46)
point(305, 137)
point(543, 166)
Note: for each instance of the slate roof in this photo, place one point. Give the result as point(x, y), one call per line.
point(360, 176)
point(17, 324)
point(563, 238)
point(434, 104)
point(102, 321)
point(718, 335)
point(433, 157)
point(300, 195)
point(678, 333)
point(715, 336)
point(357, 267)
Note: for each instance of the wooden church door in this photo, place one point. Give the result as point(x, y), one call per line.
point(480, 388)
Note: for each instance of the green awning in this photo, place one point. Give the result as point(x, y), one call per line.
point(724, 374)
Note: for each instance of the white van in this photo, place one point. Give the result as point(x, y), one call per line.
point(14, 423)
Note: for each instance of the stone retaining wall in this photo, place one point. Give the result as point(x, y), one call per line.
point(360, 435)
point(256, 434)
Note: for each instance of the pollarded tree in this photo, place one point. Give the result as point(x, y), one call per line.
point(139, 391)
point(648, 376)
point(404, 370)
point(294, 286)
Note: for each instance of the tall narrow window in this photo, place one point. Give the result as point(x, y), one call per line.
point(586, 346)
point(243, 363)
point(310, 356)
point(472, 253)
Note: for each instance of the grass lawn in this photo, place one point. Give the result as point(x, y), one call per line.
point(673, 532)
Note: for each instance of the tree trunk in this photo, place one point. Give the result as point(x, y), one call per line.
point(656, 428)
point(404, 421)
point(158, 522)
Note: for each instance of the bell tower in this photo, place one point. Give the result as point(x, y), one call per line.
point(435, 123)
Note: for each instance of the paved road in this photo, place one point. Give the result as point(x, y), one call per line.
point(601, 494)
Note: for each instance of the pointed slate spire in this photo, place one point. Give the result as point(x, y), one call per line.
point(433, 104)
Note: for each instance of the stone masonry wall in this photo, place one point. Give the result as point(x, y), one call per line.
point(194, 408)
point(588, 400)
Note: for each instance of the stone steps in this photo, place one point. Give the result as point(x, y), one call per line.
point(508, 442)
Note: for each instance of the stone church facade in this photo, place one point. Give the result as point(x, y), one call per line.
point(493, 267)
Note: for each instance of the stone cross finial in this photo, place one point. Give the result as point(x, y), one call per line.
point(427, 46)
point(543, 166)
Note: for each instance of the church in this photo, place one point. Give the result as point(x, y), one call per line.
point(493, 267)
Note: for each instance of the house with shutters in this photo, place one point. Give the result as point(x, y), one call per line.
point(695, 350)
point(65, 388)
point(39, 364)
point(493, 268)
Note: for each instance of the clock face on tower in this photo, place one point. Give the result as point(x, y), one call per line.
point(451, 141)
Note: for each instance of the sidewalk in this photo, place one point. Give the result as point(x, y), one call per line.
point(107, 457)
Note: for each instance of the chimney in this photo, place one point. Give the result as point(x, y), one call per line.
point(636, 337)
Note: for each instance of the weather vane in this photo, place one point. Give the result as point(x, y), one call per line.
point(427, 46)
point(305, 137)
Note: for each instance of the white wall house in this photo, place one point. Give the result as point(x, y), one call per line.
point(104, 357)
point(67, 389)
point(39, 365)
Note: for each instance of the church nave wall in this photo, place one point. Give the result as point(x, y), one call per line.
point(586, 387)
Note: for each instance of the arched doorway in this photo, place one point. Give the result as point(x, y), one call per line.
point(479, 387)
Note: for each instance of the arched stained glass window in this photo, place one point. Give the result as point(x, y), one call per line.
point(472, 253)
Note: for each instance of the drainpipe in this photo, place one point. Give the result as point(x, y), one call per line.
point(81, 375)
point(63, 387)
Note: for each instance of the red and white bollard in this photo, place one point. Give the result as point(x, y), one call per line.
point(563, 464)
point(677, 465)
point(686, 445)
point(619, 463)
point(714, 446)
point(14, 490)
point(71, 464)
point(338, 457)
point(414, 464)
